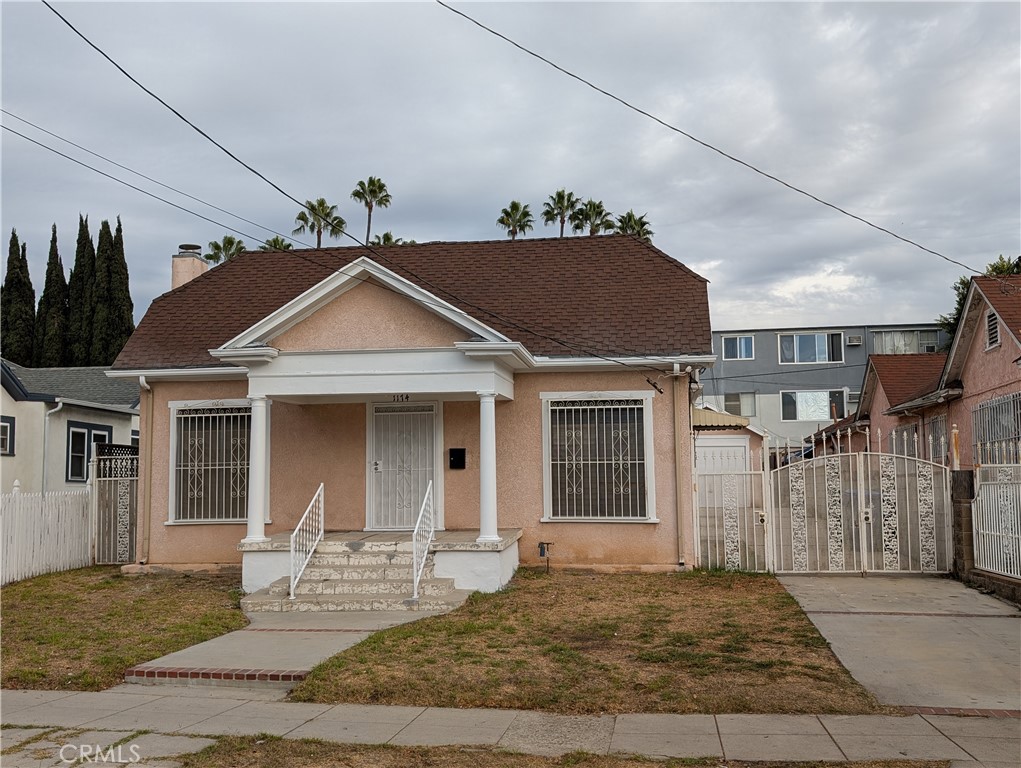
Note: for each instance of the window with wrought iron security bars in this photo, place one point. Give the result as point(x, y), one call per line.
point(904, 440)
point(997, 430)
point(597, 459)
point(211, 464)
point(936, 439)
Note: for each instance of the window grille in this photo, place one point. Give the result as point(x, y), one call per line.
point(597, 459)
point(211, 464)
point(936, 438)
point(997, 430)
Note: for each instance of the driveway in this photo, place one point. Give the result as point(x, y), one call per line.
point(918, 640)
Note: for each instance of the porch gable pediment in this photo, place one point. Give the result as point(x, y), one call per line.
point(364, 306)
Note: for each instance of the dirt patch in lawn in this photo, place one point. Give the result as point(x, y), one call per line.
point(272, 752)
point(579, 643)
point(80, 630)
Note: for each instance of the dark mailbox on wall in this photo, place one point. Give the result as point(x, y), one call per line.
point(457, 458)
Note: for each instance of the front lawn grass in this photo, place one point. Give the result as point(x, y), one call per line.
point(80, 630)
point(273, 752)
point(582, 643)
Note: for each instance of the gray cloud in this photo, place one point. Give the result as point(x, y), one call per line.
point(907, 113)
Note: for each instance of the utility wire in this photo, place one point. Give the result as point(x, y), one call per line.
point(149, 178)
point(297, 254)
point(127, 184)
point(699, 141)
point(347, 234)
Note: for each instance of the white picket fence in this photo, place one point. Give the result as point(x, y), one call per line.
point(44, 534)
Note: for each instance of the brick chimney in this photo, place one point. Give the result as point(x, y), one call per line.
point(187, 264)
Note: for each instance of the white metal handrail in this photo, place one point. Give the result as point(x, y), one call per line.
point(306, 536)
point(425, 529)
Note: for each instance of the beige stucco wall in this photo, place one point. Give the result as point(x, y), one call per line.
point(327, 443)
point(370, 316)
point(26, 465)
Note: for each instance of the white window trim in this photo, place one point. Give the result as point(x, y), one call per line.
point(811, 421)
point(649, 459)
point(70, 455)
point(738, 336)
point(184, 405)
point(827, 334)
point(7, 429)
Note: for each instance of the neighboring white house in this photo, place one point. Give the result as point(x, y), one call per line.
point(51, 417)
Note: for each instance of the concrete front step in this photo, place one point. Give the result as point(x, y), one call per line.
point(356, 572)
point(367, 587)
point(364, 547)
point(319, 557)
point(263, 601)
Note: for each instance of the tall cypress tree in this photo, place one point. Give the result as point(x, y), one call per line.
point(52, 318)
point(122, 315)
point(101, 318)
point(17, 306)
point(81, 298)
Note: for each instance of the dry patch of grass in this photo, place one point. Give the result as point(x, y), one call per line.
point(272, 752)
point(80, 630)
point(579, 643)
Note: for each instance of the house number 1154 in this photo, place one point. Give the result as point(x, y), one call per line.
point(401, 398)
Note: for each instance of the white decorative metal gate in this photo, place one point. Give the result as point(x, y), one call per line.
point(996, 520)
point(847, 513)
point(115, 496)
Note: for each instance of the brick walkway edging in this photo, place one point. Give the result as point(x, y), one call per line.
point(141, 673)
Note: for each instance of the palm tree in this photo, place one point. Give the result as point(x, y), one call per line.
point(225, 250)
point(319, 216)
point(515, 218)
point(276, 243)
point(559, 207)
point(387, 238)
point(591, 215)
point(636, 226)
point(371, 193)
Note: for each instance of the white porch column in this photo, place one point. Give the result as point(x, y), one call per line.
point(487, 467)
point(258, 471)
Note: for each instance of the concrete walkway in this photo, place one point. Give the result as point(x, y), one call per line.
point(275, 649)
point(197, 711)
point(919, 641)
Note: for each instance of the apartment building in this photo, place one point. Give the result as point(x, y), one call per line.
point(793, 381)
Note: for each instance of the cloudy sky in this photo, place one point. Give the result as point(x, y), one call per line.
point(908, 114)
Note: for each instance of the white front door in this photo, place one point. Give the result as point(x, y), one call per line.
point(402, 461)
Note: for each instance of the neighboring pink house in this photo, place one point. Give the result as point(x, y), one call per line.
point(542, 386)
point(910, 404)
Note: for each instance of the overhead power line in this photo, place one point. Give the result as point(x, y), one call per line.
point(706, 144)
point(149, 178)
point(508, 321)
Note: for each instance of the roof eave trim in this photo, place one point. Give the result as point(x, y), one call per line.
point(98, 406)
point(933, 398)
point(345, 278)
point(246, 354)
point(177, 374)
point(511, 353)
point(663, 362)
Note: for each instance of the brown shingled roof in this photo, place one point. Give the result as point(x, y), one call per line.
point(1004, 294)
point(906, 377)
point(574, 296)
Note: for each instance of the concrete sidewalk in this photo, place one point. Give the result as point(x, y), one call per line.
point(197, 711)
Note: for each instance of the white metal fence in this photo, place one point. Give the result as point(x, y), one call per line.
point(996, 519)
point(425, 529)
point(306, 537)
point(44, 534)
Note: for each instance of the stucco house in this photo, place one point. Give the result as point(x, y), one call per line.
point(50, 419)
point(911, 403)
point(542, 388)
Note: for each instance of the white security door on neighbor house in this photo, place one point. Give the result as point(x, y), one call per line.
point(402, 461)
